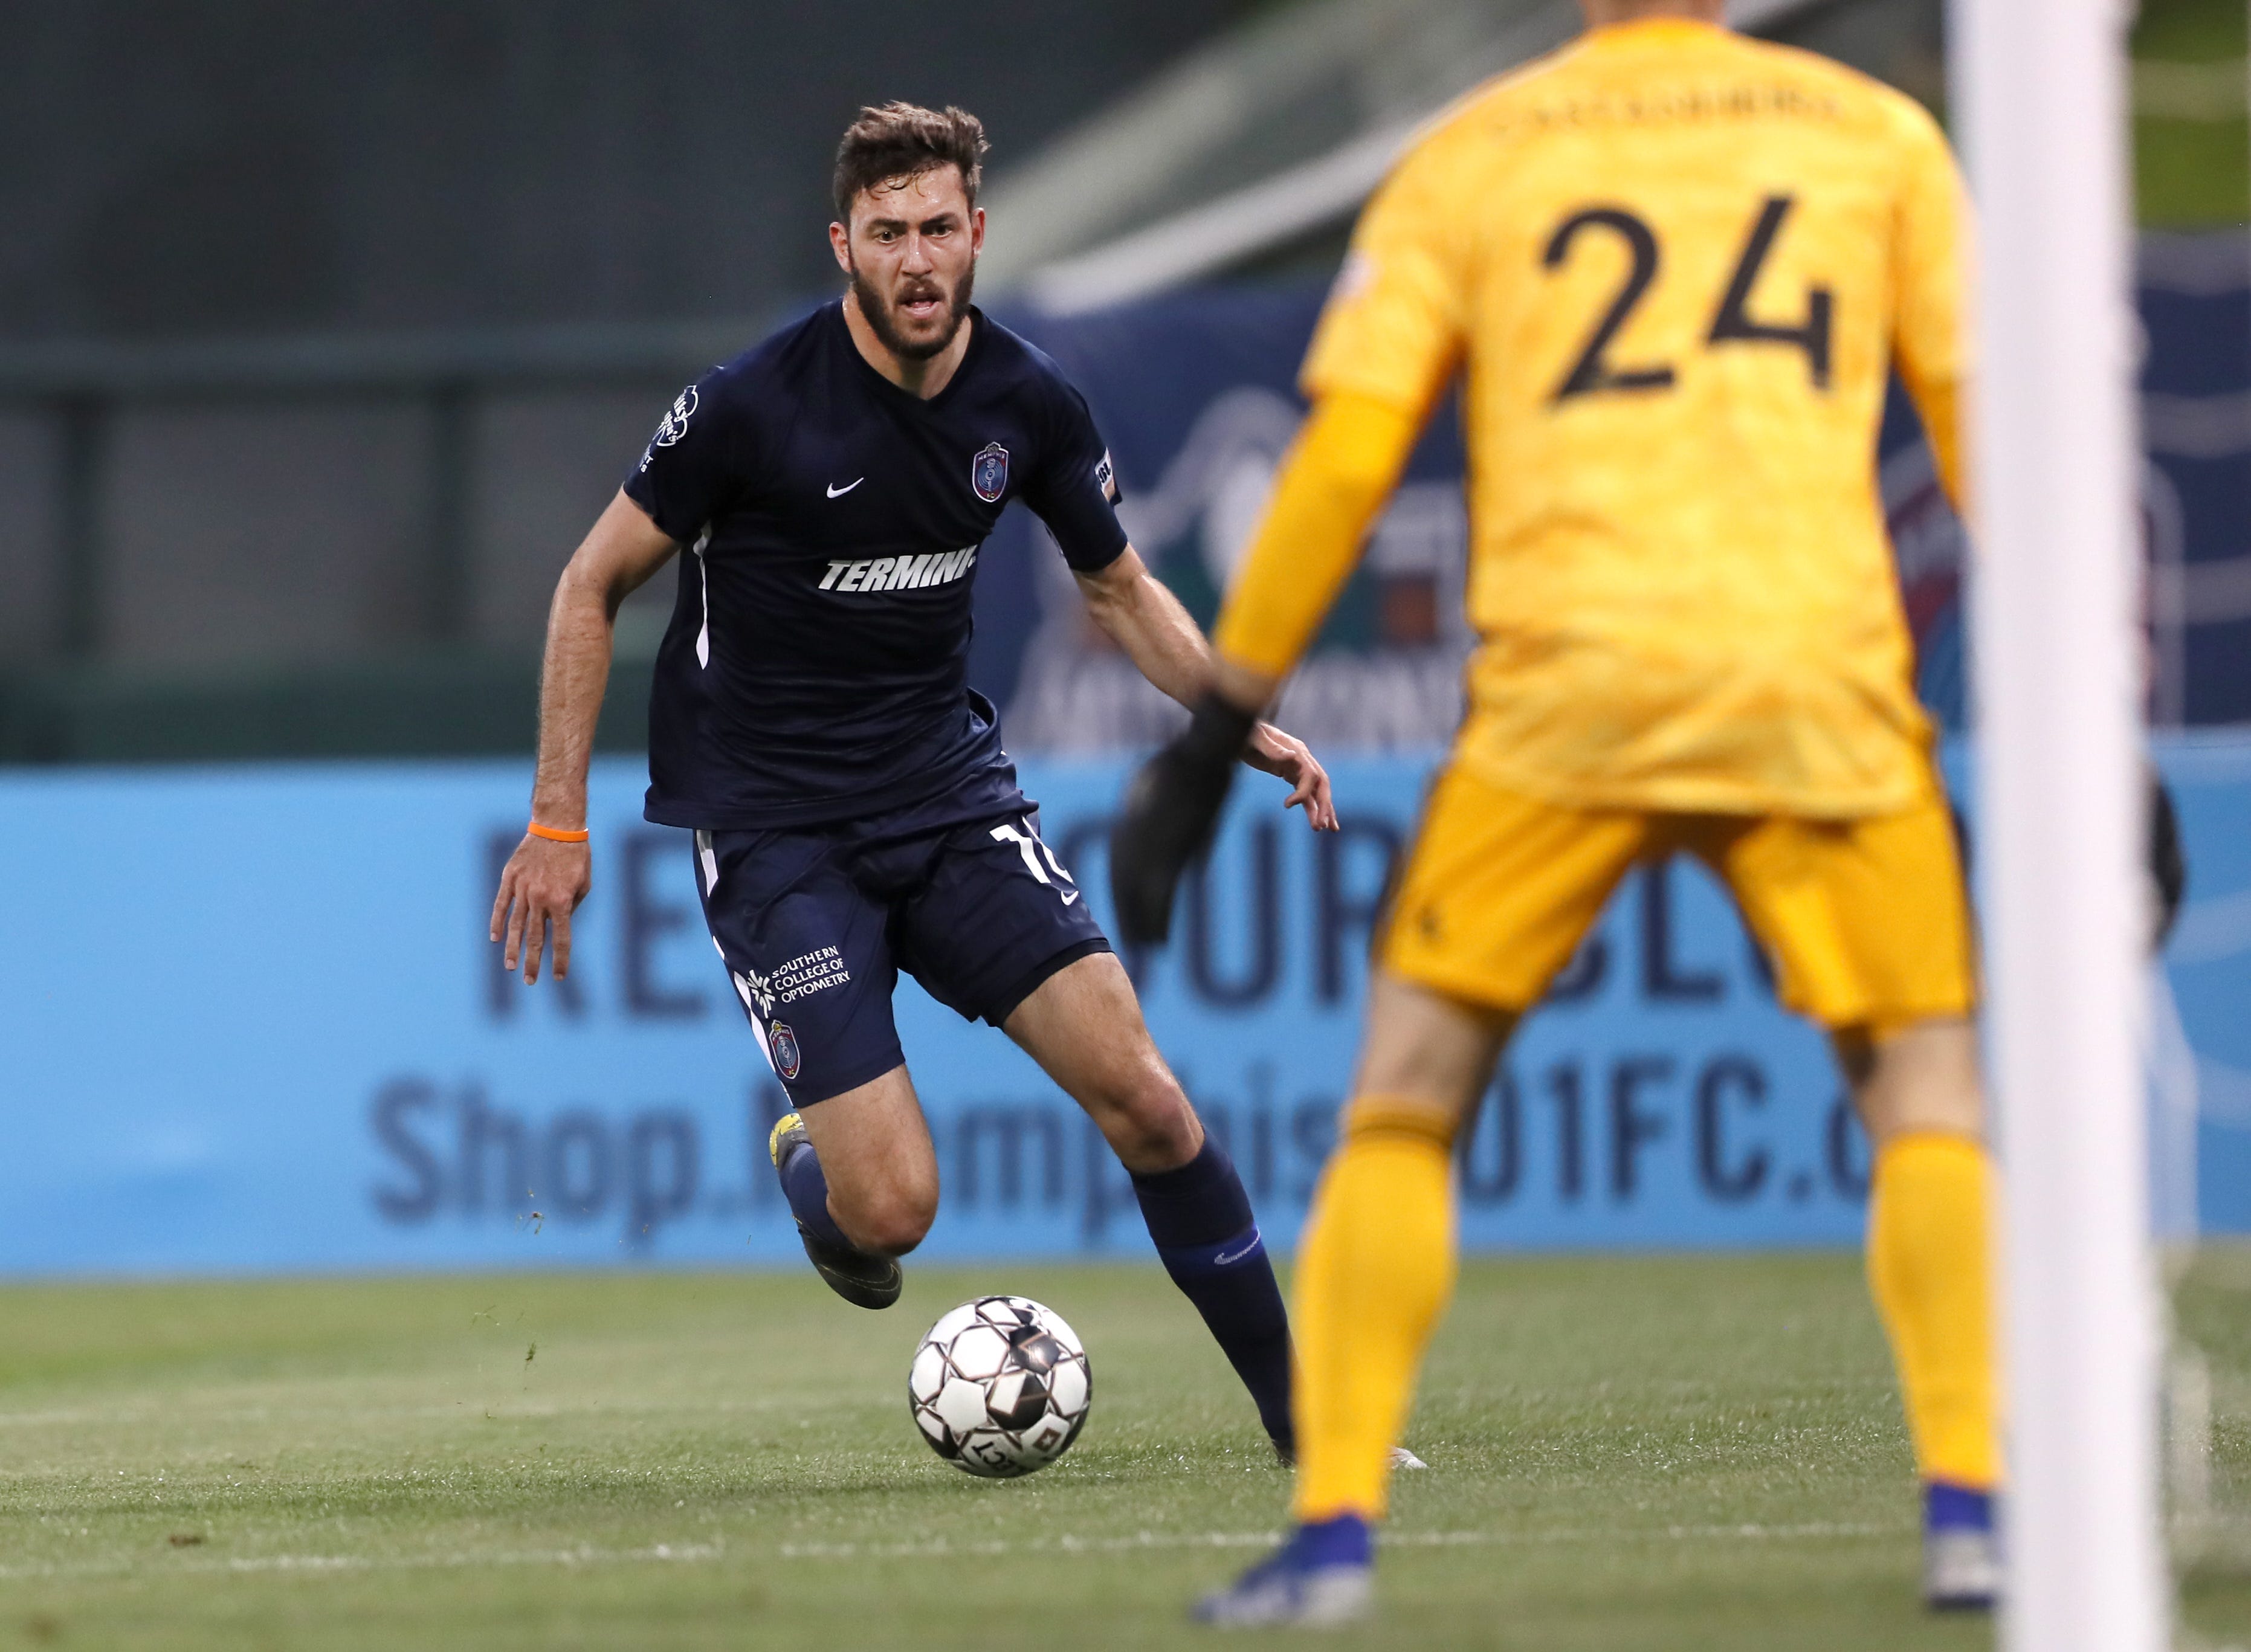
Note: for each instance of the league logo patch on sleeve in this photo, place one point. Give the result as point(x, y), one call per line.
point(675, 422)
point(1105, 478)
point(988, 472)
point(1354, 277)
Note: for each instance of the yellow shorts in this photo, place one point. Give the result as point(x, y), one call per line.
point(1867, 921)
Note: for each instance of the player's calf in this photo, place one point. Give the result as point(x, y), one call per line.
point(866, 1279)
point(890, 1225)
point(861, 1180)
point(1085, 1027)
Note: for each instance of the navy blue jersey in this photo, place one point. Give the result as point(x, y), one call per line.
point(816, 666)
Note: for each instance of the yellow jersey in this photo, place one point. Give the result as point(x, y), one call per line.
point(1674, 267)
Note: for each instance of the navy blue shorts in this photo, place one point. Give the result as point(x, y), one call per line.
point(814, 924)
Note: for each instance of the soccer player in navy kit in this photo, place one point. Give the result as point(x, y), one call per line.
point(852, 810)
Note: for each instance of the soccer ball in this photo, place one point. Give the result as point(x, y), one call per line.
point(1000, 1387)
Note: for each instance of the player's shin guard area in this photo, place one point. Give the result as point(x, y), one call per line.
point(1374, 1270)
point(1200, 1219)
point(1930, 1267)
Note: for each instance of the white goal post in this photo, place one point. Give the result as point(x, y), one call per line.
point(2041, 86)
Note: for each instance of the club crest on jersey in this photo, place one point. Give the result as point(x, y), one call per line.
point(789, 1061)
point(988, 472)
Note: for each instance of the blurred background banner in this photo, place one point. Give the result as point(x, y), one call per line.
point(255, 1026)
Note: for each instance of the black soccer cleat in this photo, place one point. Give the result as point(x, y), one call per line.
point(863, 1280)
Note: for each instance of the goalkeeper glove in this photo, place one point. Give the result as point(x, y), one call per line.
point(1170, 812)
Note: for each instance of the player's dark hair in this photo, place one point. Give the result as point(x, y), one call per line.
point(901, 140)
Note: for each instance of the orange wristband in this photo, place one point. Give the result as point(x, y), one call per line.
point(554, 836)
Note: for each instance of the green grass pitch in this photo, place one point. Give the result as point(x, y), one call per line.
point(1672, 1453)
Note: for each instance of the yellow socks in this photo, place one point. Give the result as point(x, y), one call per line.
point(1376, 1265)
point(1374, 1269)
point(1931, 1264)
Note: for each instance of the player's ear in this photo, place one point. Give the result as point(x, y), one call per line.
point(840, 242)
point(976, 231)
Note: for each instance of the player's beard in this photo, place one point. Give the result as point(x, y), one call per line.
point(876, 310)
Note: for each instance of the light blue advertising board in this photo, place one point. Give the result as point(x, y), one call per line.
point(252, 1023)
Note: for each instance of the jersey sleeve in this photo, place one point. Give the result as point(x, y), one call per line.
point(1395, 322)
point(695, 465)
point(1930, 344)
point(1075, 488)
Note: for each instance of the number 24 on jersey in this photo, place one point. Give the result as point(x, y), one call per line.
point(1595, 374)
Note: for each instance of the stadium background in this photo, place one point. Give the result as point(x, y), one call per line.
point(319, 348)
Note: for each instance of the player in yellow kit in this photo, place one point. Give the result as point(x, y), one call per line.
point(1674, 268)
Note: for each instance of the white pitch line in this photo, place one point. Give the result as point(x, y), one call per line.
point(690, 1553)
point(510, 1411)
point(1140, 1540)
point(584, 1555)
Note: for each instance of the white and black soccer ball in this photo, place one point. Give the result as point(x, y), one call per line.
point(1001, 1386)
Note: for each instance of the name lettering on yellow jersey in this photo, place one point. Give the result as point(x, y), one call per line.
point(1677, 106)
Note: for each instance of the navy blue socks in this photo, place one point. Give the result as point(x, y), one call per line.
point(1208, 1240)
point(807, 1189)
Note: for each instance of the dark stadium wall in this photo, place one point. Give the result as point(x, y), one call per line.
point(364, 176)
point(266, 166)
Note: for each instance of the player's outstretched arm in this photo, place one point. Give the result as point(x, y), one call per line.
point(546, 880)
point(1140, 614)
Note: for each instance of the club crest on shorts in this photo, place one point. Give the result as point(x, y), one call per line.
point(789, 1061)
point(988, 472)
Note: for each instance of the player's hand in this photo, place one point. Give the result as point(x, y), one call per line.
point(542, 884)
point(1170, 811)
point(1270, 751)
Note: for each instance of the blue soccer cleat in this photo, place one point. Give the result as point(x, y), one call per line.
point(1325, 1575)
point(1961, 1548)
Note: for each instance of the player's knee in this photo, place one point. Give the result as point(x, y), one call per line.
point(1153, 1128)
point(1922, 1078)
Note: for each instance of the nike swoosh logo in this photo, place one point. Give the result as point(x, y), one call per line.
point(839, 493)
point(1069, 896)
point(1223, 1259)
